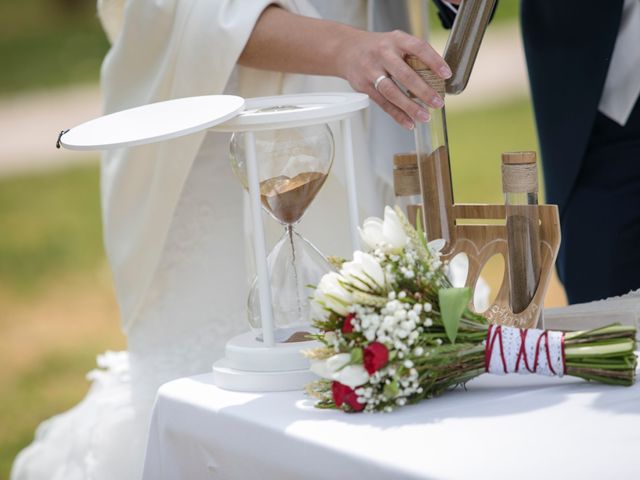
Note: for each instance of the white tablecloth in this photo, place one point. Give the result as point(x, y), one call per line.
point(516, 427)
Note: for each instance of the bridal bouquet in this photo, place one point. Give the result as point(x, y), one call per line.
point(394, 331)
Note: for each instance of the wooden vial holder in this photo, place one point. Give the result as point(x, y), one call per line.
point(480, 232)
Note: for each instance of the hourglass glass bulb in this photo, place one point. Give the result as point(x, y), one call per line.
point(293, 164)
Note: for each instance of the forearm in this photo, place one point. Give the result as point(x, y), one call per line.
point(285, 42)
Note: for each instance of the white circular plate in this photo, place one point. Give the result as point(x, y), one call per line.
point(285, 111)
point(153, 122)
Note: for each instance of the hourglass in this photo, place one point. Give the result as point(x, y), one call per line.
point(293, 164)
point(282, 151)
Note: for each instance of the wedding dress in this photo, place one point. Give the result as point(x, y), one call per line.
point(174, 215)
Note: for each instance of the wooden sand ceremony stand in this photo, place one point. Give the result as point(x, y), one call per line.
point(480, 230)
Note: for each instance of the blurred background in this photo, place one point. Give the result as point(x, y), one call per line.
point(57, 308)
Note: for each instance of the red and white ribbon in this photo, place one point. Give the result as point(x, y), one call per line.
point(519, 350)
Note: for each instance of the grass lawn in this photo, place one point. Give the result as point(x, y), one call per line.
point(57, 308)
point(478, 137)
point(50, 226)
point(48, 43)
point(56, 305)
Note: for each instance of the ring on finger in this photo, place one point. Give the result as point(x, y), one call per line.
point(377, 81)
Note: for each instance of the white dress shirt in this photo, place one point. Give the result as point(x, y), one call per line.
point(622, 86)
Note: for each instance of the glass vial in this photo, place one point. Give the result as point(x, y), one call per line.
point(432, 151)
point(464, 41)
point(520, 187)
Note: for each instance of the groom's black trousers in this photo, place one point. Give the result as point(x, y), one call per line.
point(600, 251)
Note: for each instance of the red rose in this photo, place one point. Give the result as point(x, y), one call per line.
point(347, 326)
point(343, 394)
point(376, 356)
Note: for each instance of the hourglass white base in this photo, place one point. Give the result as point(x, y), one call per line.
point(249, 366)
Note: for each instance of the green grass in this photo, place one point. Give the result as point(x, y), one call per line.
point(51, 387)
point(478, 138)
point(49, 43)
point(49, 226)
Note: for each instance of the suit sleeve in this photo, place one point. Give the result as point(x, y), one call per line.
point(447, 12)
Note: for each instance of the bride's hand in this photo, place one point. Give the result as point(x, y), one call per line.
point(285, 42)
point(373, 56)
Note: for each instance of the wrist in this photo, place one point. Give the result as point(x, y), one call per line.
point(342, 48)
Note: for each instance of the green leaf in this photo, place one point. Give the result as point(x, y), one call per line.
point(421, 235)
point(390, 389)
point(453, 302)
point(356, 356)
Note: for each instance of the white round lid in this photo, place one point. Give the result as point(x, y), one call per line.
point(285, 111)
point(152, 123)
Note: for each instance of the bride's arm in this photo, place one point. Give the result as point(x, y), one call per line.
point(284, 41)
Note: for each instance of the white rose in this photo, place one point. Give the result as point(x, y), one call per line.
point(330, 337)
point(363, 272)
point(318, 308)
point(327, 367)
point(336, 368)
point(392, 229)
point(337, 361)
point(352, 376)
point(387, 234)
point(332, 295)
point(371, 233)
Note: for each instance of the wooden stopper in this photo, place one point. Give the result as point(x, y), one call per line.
point(519, 172)
point(433, 80)
point(518, 158)
point(405, 174)
point(405, 160)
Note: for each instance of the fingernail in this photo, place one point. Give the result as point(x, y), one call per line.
point(408, 125)
point(437, 102)
point(423, 116)
point(444, 71)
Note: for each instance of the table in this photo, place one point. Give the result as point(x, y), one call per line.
point(515, 427)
